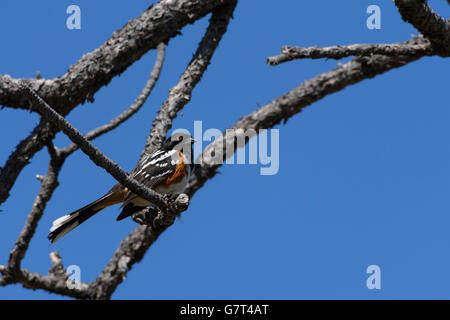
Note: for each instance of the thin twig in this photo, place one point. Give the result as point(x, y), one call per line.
point(48, 186)
point(25, 150)
point(289, 53)
point(57, 269)
point(131, 110)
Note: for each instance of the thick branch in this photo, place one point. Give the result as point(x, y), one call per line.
point(132, 249)
point(25, 150)
point(289, 53)
point(157, 24)
point(426, 21)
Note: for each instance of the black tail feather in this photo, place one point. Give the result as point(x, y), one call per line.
point(67, 223)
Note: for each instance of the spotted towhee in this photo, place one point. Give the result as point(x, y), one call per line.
point(165, 171)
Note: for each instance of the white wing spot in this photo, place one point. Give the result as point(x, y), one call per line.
point(160, 175)
point(164, 156)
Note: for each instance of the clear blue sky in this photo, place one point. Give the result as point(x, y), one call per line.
point(363, 179)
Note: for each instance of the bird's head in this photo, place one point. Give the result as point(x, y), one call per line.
point(180, 142)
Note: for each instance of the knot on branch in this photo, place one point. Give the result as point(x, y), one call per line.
point(160, 218)
point(6, 277)
point(57, 270)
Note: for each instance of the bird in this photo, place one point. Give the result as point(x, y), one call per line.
point(166, 171)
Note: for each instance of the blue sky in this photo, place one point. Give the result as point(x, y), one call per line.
point(363, 177)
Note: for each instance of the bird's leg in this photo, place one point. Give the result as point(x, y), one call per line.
point(157, 218)
point(145, 216)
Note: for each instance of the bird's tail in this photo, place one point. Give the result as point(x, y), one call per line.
point(67, 223)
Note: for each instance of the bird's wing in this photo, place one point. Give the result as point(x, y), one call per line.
point(154, 171)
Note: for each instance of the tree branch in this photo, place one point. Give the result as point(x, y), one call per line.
point(48, 186)
point(426, 21)
point(42, 134)
point(289, 53)
point(157, 24)
point(51, 283)
point(131, 110)
point(57, 269)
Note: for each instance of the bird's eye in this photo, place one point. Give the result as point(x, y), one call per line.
point(180, 138)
